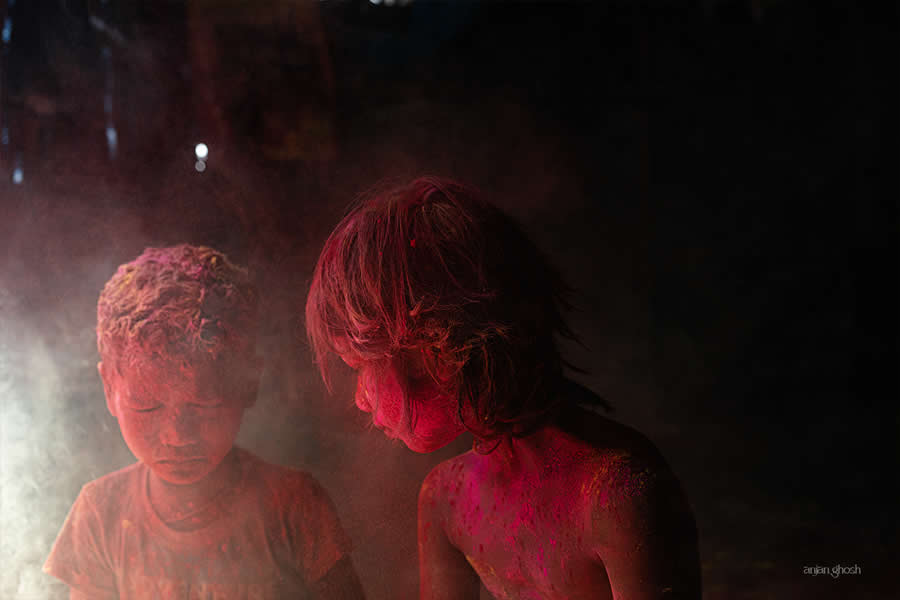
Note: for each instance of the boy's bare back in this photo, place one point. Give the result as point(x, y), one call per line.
point(559, 514)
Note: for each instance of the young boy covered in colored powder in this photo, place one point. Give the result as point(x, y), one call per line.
point(196, 516)
point(448, 313)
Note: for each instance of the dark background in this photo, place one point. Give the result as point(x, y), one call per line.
point(716, 178)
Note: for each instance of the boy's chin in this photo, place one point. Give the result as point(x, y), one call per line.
point(182, 473)
point(420, 446)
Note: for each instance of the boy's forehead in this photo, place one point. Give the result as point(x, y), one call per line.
point(188, 375)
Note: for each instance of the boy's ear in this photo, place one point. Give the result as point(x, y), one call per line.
point(106, 377)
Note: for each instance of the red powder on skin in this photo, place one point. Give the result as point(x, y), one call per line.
point(560, 492)
point(538, 516)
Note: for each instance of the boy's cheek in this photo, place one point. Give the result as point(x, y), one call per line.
point(137, 422)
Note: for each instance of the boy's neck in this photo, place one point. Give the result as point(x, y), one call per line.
point(547, 445)
point(525, 454)
point(174, 502)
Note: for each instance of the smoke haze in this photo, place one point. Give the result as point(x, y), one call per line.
point(726, 307)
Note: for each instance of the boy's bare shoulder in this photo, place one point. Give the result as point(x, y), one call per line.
point(595, 451)
point(625, 463)
point(452, 480)
point(631, 488)
point(445, 474)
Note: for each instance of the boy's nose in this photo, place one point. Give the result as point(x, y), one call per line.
point(362, 404)
point(179, 429)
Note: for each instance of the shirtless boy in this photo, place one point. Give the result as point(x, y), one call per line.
point(448, 313)
point(195, 517)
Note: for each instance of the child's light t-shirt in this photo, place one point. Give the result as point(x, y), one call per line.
point(280, 533)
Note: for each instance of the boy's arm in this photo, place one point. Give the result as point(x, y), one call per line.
point(79, 557)
point(444, 572)
point(644, 534)
point(340, 583)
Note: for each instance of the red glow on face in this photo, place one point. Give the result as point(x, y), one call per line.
point(172, 422)
point(435, 423)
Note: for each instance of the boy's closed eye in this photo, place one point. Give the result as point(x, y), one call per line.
point(141, 406)
point(147, 407)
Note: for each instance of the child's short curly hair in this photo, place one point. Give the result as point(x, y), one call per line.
point(182, 302)
point(430, 278)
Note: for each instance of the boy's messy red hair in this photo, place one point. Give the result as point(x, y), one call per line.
point(434, 281)
point(183, 302)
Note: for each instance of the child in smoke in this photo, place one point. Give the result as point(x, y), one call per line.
point(448, 313)
point(196, 517)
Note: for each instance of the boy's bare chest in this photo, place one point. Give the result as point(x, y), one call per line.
point(526, 537)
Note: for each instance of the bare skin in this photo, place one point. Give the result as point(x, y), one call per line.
point(583, 508)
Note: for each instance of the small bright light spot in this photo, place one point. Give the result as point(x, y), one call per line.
point(375, 1)
point(201, 150)
point(18, 175)
point(7, 30)
point(200, 166)
point(112, 140)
